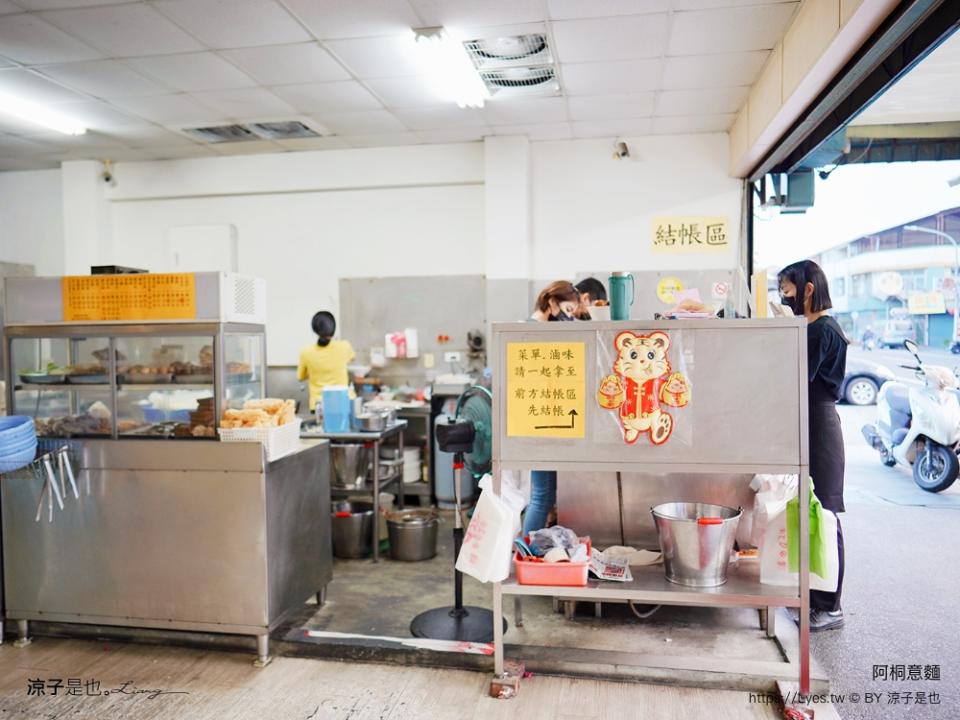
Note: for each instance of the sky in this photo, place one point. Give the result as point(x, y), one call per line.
point(855, 200)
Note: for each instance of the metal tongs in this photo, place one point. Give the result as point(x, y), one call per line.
point(43, 470)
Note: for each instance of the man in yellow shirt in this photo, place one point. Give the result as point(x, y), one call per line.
point(324, 363)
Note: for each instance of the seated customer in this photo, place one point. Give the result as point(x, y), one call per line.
point(591, 291)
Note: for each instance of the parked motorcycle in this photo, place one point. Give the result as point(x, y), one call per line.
point(918, 424)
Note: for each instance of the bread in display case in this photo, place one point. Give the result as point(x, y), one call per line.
point(158, 380)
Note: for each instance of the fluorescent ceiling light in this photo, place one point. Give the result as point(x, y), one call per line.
point(450, 68)
point(39, 115)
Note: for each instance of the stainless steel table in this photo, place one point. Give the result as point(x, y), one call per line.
point(374, 439)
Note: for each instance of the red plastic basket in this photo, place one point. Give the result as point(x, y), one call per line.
point(532, 571)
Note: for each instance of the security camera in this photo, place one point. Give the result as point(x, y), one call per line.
point(620, 150)
point(106, 175)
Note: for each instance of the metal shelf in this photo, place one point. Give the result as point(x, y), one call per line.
point(650, 585)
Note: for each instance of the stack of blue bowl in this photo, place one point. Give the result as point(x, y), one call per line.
point(18, 442)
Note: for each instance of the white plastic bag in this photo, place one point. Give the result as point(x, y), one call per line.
point(486, 551)
point(773, 554)
point(773, 494)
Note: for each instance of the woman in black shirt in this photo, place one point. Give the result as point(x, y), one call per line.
point(803, 287)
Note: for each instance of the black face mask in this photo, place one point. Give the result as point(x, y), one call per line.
point(561, 317)
point(791, 302)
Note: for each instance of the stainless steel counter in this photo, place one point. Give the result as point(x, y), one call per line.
point(173, 534)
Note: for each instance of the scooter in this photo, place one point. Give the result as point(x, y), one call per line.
point(918, 424)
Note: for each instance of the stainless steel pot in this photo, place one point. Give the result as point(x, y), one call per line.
point(352, 524)
point(351, 465)
point(413, 534)
point(370, 422)
point(696, 540)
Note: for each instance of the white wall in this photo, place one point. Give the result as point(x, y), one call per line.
point(31, 220)
point(591, 212)
point(506, 208)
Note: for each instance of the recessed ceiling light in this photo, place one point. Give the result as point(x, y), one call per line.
point(39, 115)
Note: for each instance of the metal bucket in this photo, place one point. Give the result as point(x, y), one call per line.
point(351, 465)
point(352, 524)
point(413, 534)
point(696, 540)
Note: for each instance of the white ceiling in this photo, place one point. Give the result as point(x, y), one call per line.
point(138, 72)
point(928, 93)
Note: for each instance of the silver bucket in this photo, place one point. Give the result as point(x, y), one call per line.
point(696, 540)
point(352, 527)
point(351, 465)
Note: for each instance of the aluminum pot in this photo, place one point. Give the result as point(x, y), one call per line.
point(370, 422)
point(351, 465)
point(352, 524)
point(696, 540)
point(413, 534)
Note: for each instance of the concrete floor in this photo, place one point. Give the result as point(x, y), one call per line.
point(382, 599)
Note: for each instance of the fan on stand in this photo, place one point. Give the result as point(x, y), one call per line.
point(469, 436)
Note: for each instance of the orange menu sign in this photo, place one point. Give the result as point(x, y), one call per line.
point(93, 298)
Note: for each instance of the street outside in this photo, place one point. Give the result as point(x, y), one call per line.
point(901, 577)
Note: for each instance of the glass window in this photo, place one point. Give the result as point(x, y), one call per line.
point(838, 287)
point(243, 361)
point(859, 285)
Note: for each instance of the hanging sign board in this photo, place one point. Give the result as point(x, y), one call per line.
point(931, 303)
point(546, 387)
point(688, 235)
point(99, 298)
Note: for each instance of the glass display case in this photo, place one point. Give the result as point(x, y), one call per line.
point(146, 380)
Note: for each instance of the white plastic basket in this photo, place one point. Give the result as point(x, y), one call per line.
point(277, 441)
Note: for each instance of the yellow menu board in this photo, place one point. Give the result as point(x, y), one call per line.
point(546, 387)
point(93, 298)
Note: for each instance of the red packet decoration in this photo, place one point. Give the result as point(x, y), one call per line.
point(641, 384)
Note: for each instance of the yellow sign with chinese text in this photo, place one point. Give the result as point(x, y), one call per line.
point(99, 298)
point(682, 235)
point(546, 389)
point(932, 303)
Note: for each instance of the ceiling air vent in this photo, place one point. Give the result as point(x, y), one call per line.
point(221, 134)
point(286, 130)
point(515, 66)
point(283, 130)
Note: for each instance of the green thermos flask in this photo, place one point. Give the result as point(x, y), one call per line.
point(621, 295)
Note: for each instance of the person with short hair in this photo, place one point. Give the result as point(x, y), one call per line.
point(803, 287)
point(591, 291)
point(325, 362)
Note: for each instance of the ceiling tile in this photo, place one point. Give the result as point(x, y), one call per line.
point(15, 147)
point(124, 30)
point(362, 123)
point(16, 126)
point(178, 152)
point(335, 97)
point(319, 143)
point(604, 107)
point(148, 136)
point(454, 135)
point(33, 87)
point(89, 142)
point(616, 38)
point(513, 111)
point(193, 72)
point(470, 13)
point(106, 79)
point(288, 64)
point(709, 4)
point(7, 8)
point(354, 19)
point(612, 128)
point(607, 78)
point(5, 63)
point(692, 124)
point(440, 118)
point(708, 71)
point(573, 9)
point(235, 23)
point(252, 147)
point(97, 115)
point(246, 103)
point(31, 40)
point(545, 131)
point(715, 101)
point(395, 56)
point(34, 5)
point(173, 110)
point(729, 29)
point(383, 140)
point(407, 92)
